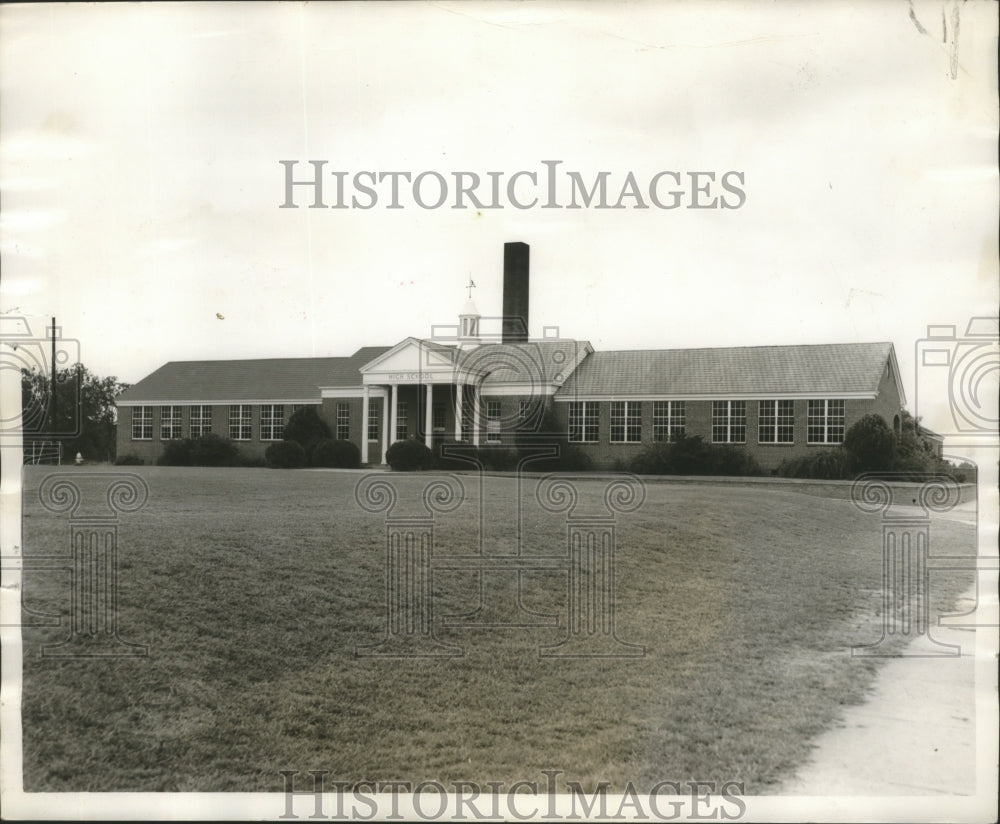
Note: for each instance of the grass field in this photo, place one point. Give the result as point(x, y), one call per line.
point(253, 588)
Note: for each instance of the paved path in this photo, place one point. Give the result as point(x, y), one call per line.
point(916, 734)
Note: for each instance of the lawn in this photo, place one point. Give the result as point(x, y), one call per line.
point(253, 588)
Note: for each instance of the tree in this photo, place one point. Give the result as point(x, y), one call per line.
point(85, 412)
point(872, 444)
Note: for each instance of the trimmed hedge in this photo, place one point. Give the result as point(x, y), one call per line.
point(692, 456)
point(285, 455)
point(570, 459)
point(500, 458)
point(208, 450)
point(214, 450)
point(467, 450)
point(409, 456)
point(177, 453)
point(828, 465)
point(129, 460)
point(335, 454)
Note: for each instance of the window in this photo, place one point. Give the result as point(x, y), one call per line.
point(201, 421)
point(493, 422)
point(343, 422)
point(241, 422)
point(142, 423)
point(170, 423)
point(401, 430)
point(272, 422)
point(522, 410)
point(626, 421)
point(729, 421)
point(583, 422)
point(373, 426)
point(776, 422)
point(668, 420)
point(438, 417)
point(825, 422)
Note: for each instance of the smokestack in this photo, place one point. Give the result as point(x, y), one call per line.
point(515, 292)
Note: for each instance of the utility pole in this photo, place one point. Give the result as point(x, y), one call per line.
point(54, 403)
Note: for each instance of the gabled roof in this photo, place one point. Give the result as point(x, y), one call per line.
point(833, 369)
point(265, 380)
point(445, 351)
point(550, 361)
point(545, 361)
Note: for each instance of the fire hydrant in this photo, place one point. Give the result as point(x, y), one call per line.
point(79, 458)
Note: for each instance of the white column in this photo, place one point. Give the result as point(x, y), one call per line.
point(475, 414)
point(458, 411)
point(429, 417)
point(393, 411)
point(385, 424)
point(364, 426)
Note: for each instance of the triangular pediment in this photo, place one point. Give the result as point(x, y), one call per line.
point(412, 361)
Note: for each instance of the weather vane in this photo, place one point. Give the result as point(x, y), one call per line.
point(470, 287)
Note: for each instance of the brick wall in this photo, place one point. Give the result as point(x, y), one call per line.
point(698, 421)
point(150, 450)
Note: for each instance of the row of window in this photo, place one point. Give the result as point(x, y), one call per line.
point(775, 421)
point(272, 422)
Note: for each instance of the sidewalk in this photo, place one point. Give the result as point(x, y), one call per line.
point(915, 735)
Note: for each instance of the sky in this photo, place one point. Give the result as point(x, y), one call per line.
point(141, 182)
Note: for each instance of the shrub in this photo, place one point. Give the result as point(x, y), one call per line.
point(285, 455)
point(339, 454)
point(872, 444)
point(730, 460)
point(306, 428)
point(129, 460)
point(692, 456)
point(965, 473)
point(467, 450)
point(498, 458)
point(828, 465)
point(570, 459)
point(214, 450)
point(409, 455)
point(918, 462)
point(653, 460)
point(177, 453)
point(687, 456)
point(551, 432)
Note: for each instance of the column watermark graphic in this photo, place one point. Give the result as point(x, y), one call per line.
point(907, 560)
point(588, 559)
point(92, 562)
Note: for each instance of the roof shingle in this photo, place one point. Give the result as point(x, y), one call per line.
point(270, 379)
point(745, 370)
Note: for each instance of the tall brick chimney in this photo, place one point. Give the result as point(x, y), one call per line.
point(515, 292)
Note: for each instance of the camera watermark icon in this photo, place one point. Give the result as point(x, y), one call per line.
point(30, 355)
point(907, 562)
point(965, 370)
point(92, 562)
point(588, 559)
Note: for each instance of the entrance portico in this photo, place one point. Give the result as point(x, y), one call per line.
point(426, 388)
